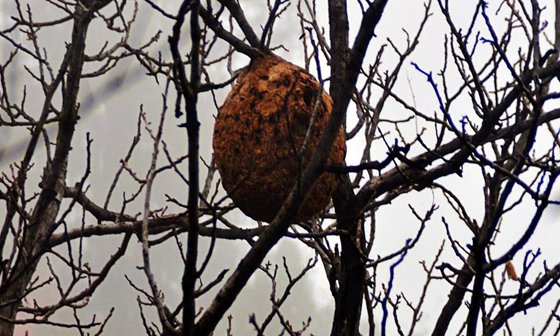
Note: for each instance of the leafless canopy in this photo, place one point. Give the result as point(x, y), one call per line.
point(107, 179)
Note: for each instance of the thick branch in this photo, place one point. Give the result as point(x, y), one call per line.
point(345, 68)
point(239, 16)
point(155, 226)
point(43, 219)
point(409, 174)
point(231, 39)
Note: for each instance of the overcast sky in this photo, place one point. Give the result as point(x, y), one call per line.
point(110, 117)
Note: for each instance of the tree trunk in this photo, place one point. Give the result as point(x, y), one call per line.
point(42, 223)
point(350, 293)
point(348, 305)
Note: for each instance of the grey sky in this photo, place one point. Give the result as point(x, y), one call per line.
point(110, 117)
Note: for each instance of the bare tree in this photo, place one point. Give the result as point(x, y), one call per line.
point(478, 118)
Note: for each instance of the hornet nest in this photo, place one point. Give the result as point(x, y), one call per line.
point(263, 138)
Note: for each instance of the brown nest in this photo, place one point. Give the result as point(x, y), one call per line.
point(260, 145)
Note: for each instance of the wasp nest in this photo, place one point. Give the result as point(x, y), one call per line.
point(263, 139)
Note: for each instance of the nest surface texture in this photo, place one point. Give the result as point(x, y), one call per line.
point(263, 139)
